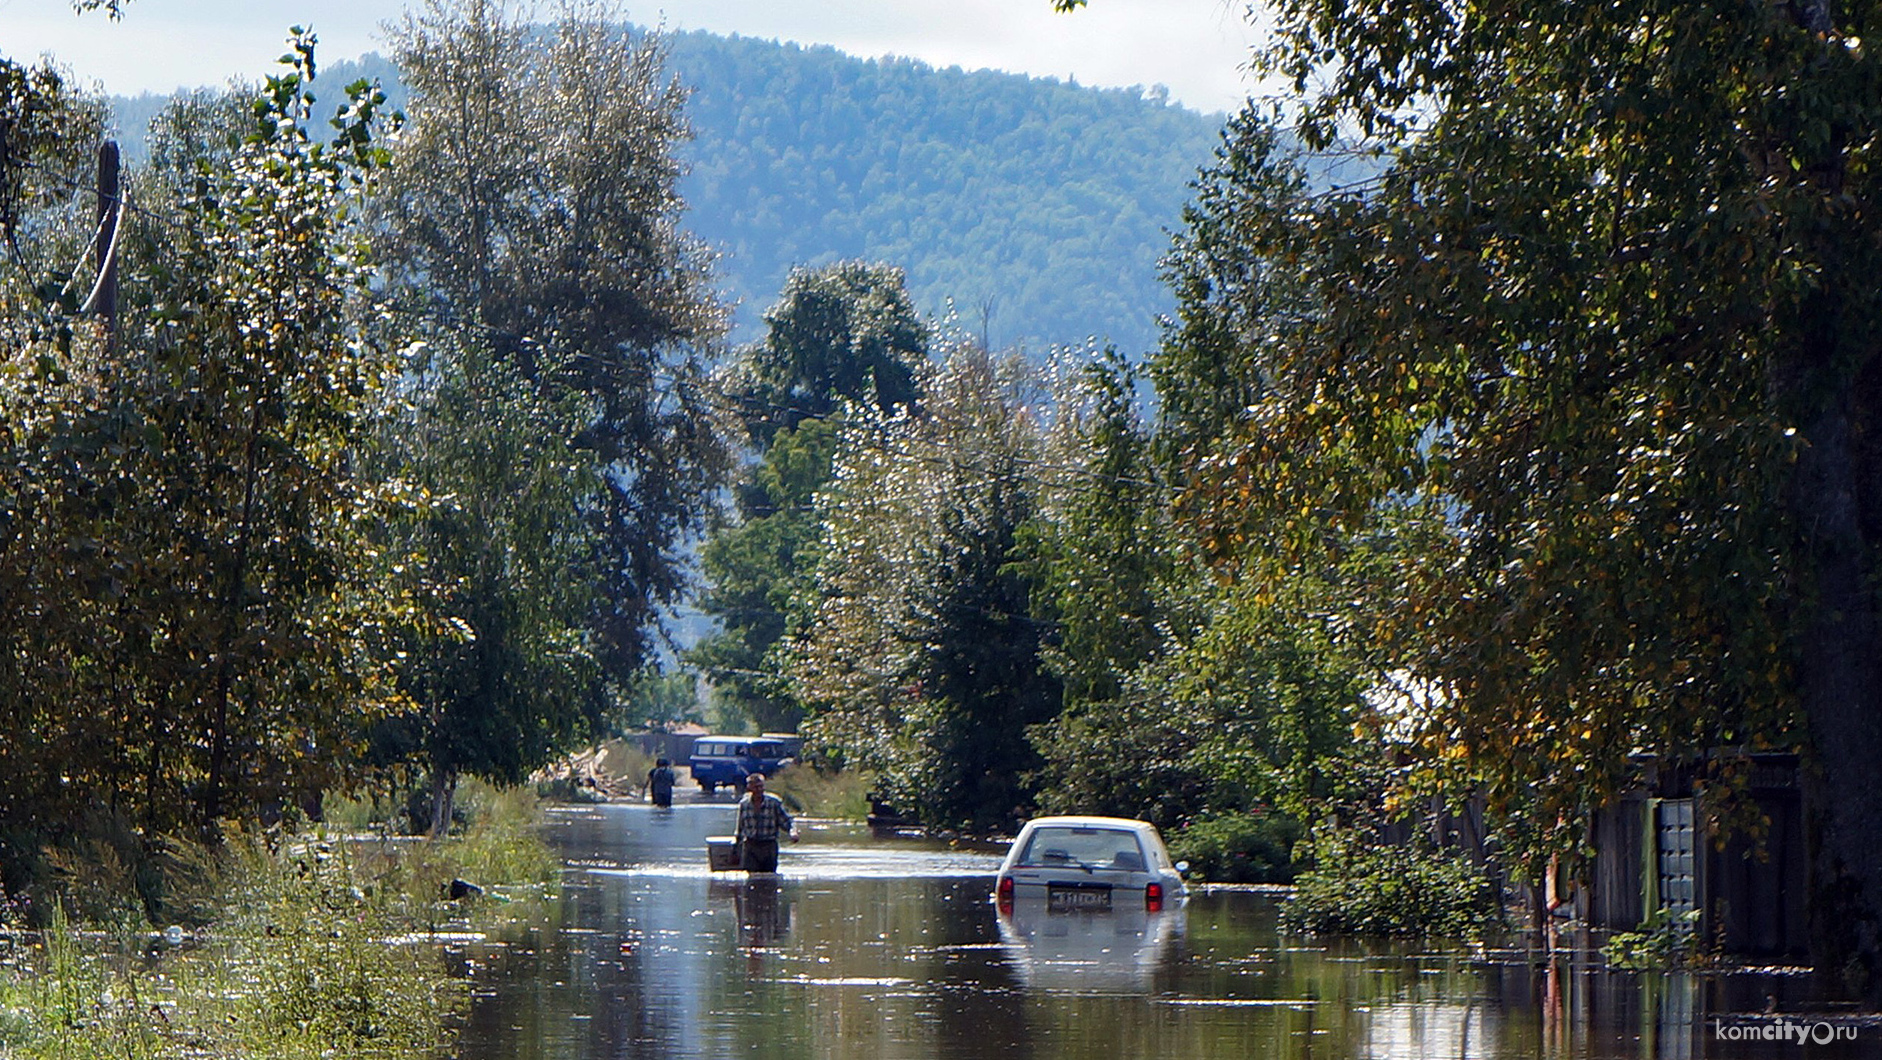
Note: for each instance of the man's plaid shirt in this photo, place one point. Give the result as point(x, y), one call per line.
point(767, 820)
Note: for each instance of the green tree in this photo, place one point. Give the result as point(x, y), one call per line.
point(179, 542)
point(1608, 324)
point(485, 546)
point(1100, 548)
point(1182, 695)
point(757, 572)
point(843, 333)
point(534, 197)
point(1103, 561)
point(921, 662)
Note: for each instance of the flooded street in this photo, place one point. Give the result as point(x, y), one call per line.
point(890, 948)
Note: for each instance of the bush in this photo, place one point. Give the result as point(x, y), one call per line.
point(1356, 889)
point(1664, 940)
point(298, 946)
point(501, 844)
point(841, 794)
point(1228, 847)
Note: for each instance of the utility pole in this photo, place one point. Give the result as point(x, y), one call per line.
point(110, 215)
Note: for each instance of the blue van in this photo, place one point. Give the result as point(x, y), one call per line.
point(729, 760)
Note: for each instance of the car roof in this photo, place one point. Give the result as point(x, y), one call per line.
point(1079, 821)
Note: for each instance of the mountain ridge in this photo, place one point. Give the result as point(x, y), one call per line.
point(1038, 209)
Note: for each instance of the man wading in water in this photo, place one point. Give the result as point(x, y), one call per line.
point(660, 781)
point(761, 820)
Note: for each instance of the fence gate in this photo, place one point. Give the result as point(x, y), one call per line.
point(1673, 825)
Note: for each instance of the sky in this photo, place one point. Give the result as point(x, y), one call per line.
point(1198, 49)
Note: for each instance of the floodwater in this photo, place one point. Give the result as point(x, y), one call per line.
point(890, 949)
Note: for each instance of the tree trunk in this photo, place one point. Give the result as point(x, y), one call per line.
point(443, 794)
point(1835, 385)
point(1840, 683)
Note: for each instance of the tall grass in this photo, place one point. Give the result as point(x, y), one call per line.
point(815, 793)
point(305, 947)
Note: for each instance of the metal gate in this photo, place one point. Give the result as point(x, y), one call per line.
point(1676, 865)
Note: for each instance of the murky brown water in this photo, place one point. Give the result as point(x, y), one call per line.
point(890, 949)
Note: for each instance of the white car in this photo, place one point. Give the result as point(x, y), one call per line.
point(1072, 864)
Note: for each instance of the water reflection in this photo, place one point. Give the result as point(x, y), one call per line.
point(1118, 951)
point(892, 949)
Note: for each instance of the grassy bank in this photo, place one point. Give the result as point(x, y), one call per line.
point(814, 793)
point(287, 946)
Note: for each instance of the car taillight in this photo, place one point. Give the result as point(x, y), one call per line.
point(1153, 897)
point(1004, 894)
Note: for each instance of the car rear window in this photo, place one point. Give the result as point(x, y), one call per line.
point(1096, 848)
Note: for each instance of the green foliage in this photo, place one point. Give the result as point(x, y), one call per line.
point(535, 201)
point(1229, 847)
point(846, 333)
point(1358, 889)
point(179, 509)
point(1181, 695)
point(1664, 940)
point(920, 663)
point(1100, 550)
point(1598, 342)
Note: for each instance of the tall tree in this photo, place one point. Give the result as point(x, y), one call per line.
point(1609, 320)
point(1100, 549)
point(484, 544)
point(922, 662)
point(759, 572)
point(842, 333)
point(179, 558)
point(1182, 694)
point(1102, 562)
point(535, 197)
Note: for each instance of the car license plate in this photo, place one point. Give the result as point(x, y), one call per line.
point(1069, 898)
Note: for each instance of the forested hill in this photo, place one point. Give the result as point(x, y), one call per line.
point(1048, 199)
point(1042, 204)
